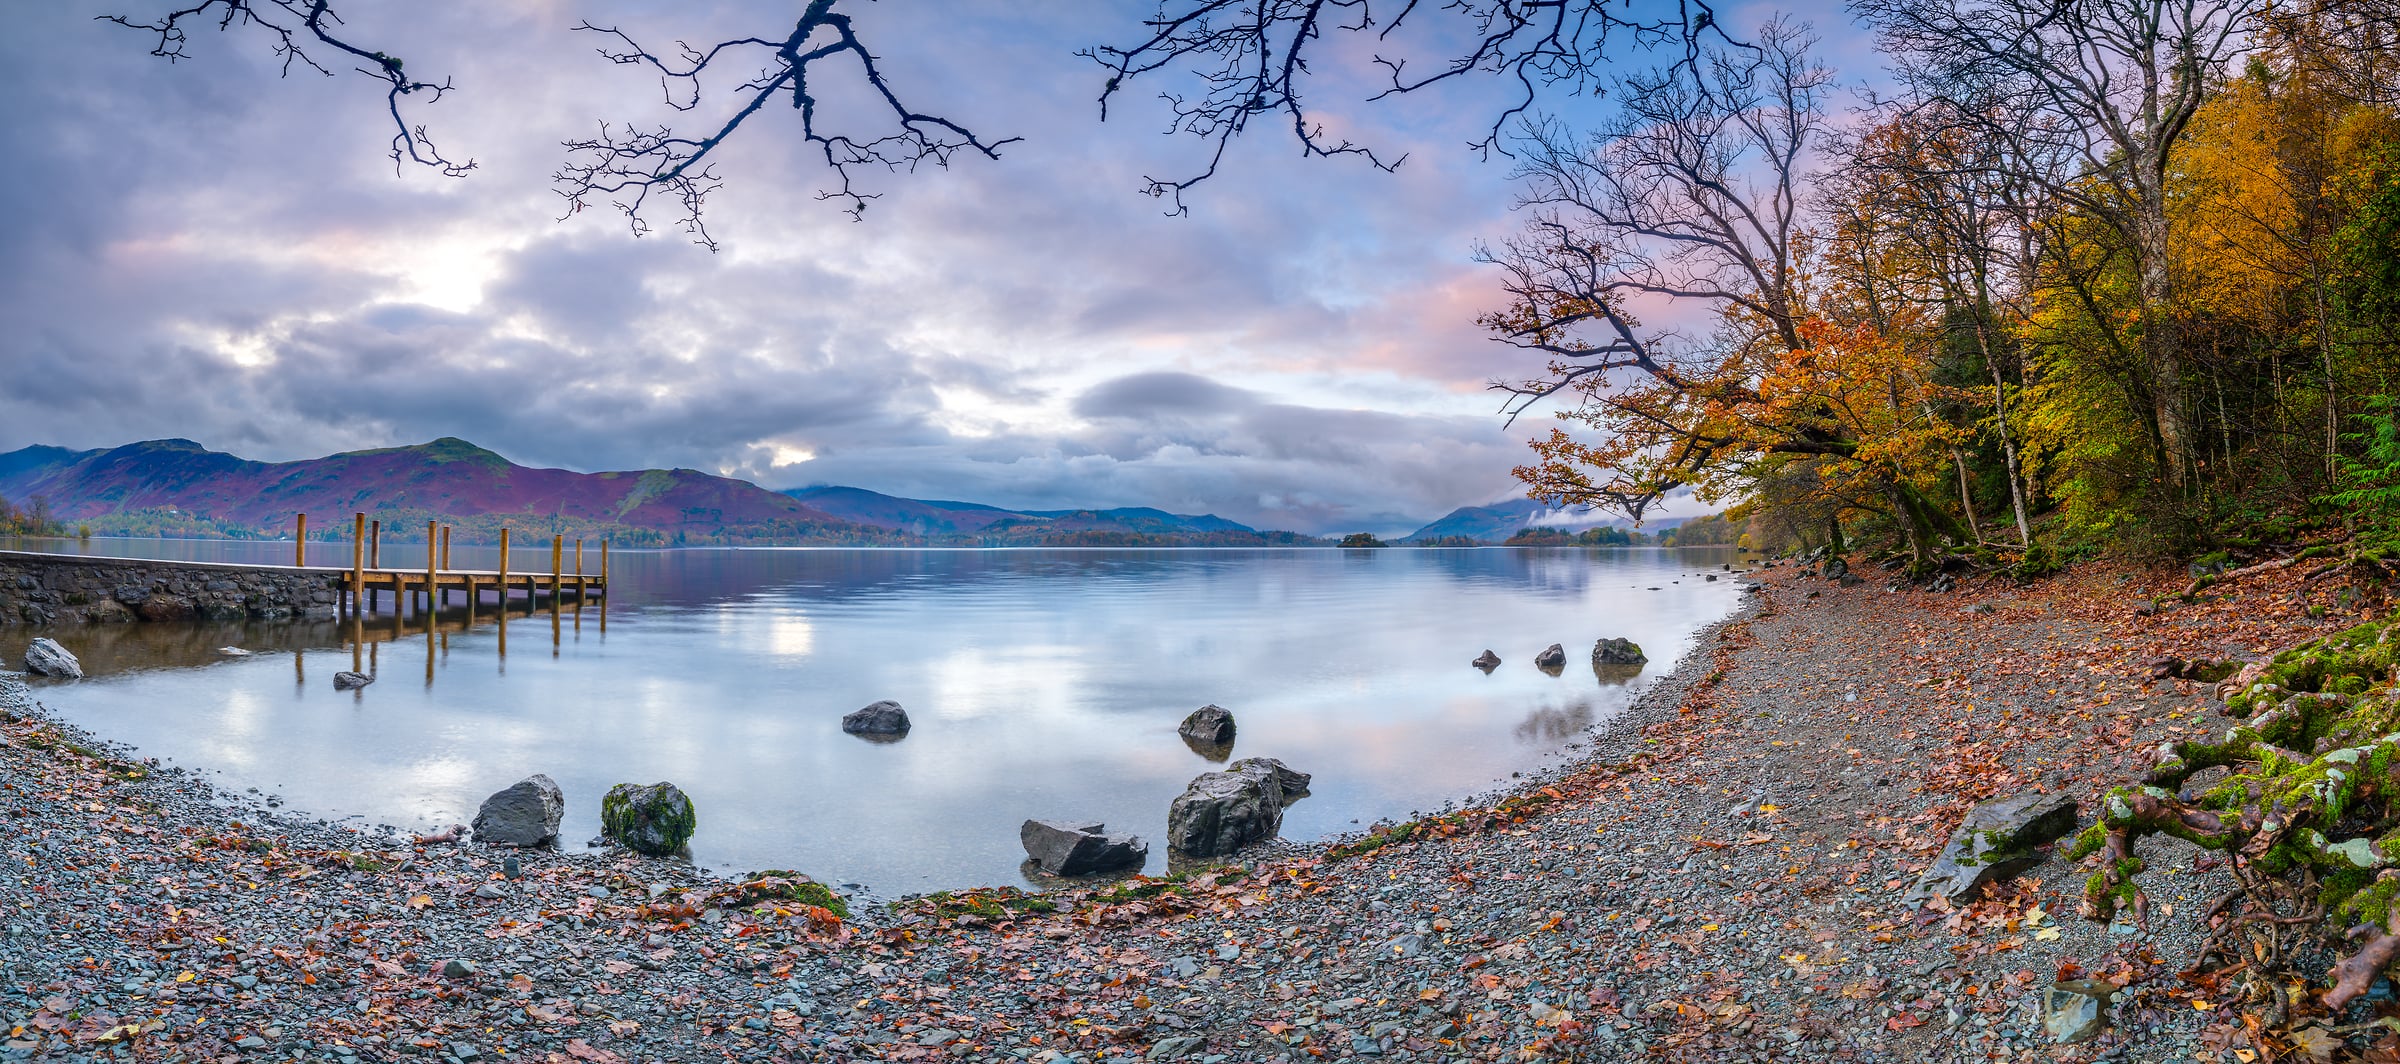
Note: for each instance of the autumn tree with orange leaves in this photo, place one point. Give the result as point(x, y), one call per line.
point(1695, 203)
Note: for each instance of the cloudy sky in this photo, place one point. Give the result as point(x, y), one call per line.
point(203, 250)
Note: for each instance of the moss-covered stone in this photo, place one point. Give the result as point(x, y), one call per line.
point(776, 886)
point(657, 820)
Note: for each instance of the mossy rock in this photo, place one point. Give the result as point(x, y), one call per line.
point(657, 820)
point(778, 885)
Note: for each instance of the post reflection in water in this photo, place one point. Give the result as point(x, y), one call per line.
point(435, 627)
point(1041, 683)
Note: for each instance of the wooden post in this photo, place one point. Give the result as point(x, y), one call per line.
point(358, 562)
point(579, 584)
point(446, 547)
point(375, 544)
point(558, 546)
point(605, 589)
point(504, 575)
point(432, 535)
point(300, 543)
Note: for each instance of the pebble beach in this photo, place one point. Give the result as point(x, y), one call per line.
point(1718, 875)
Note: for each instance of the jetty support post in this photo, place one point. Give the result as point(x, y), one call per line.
point(300, 544)
point(580, 583)
point(432, 559)
point(358, 563)
point(558, 547)
point(504, 574)
point(605, 589)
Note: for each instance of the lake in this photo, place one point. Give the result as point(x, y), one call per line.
point(1041, 683)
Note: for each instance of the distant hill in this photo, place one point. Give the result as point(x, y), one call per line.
point(180, 488)
point(985, 525)
point(1499, 521)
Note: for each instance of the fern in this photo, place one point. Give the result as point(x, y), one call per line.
point(2370, 487)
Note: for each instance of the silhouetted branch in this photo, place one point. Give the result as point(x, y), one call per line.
point(626, 164)
point(1251, 59)
point(296, 26)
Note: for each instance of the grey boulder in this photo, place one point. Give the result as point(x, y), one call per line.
point(44, 657)
point(1066, 849)
point(1290, 785)
point(1994, 843)
point(1221, 812)
point(1212, 725)
point(1619, 652)
point(1487, 661)
point(2076, 1010)
point(1555, 657)
point(882, 718)
point(526, 814)
point(351, 681)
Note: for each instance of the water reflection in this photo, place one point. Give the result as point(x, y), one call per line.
point(1616, 675)
point(1553, 724)
point(1208, 751)
point(1042, 684)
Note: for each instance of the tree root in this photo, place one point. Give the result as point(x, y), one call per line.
point(2355, 973)
point(2308, 816)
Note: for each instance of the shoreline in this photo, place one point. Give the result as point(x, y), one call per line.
point(1713, 877)
point(1653, 704)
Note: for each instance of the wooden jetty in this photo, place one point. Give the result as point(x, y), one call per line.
point(431, 587)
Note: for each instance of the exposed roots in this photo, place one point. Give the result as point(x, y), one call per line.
point(2307, 817)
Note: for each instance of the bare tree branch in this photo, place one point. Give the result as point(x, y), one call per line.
point(626, 164)
point(296, 26)
point(1251, 60)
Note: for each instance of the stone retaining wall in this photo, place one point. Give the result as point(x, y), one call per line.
point(59, 589)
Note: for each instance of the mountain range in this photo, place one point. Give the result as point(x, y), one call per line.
point(180, 488)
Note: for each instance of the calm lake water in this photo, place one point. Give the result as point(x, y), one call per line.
point(1042, 683)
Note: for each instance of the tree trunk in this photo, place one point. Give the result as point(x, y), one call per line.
point(2163, 343)
point(1966, 498)
point(2008, 444)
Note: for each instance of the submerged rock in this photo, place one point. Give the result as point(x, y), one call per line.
point(1994, 843)
point(1555, 657)
point(1210, 725)
point(348, 681)
point(1618, 652)
point(1065, 849)
point(656, 820)
point(882, 718)
point(1224, 811)
point(526, 814)
point(1487, 661)
point(44, 657)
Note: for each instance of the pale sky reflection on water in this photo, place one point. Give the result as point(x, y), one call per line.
point(1042, 684)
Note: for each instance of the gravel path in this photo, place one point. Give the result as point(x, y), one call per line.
point(1717, 878)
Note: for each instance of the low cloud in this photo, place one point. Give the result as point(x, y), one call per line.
point(224, 255)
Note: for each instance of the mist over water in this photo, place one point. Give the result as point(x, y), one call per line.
point(1042, 683)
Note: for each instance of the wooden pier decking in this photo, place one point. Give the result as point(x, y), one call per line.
point(432, 586)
